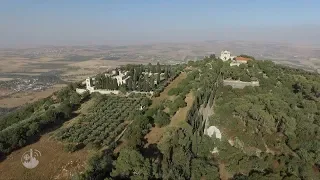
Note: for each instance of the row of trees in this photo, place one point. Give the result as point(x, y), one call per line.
point(105, 82)
point(105, 121)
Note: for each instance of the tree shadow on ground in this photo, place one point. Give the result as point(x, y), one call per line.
point(151, 151)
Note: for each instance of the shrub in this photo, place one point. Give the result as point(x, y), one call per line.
point(162, 118)
point(179, 102)
point(174, 91)
point(156, 94)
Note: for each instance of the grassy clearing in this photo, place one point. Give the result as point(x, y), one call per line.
point(181, 114)
point(156, 133)
point(164, 95)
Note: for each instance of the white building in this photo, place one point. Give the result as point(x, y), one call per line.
point(121, 78)
point(226, 55)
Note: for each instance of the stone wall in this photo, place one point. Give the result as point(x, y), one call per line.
point(101, 91)
point(140, 92)
point(80, 91)
point(240, 84)
point(104, 91)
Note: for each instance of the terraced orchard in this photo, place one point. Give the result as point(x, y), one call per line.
point(105, 121)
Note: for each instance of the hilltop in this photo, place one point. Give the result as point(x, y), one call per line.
point(204, 119)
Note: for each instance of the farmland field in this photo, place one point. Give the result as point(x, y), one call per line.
point(104, 121)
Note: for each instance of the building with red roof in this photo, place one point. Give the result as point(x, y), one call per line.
point(239, 60)
point(242, 59)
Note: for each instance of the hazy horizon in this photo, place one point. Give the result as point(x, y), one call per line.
point(37, 23)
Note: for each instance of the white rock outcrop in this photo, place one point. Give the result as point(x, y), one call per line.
point(212, 130)
point(215, 151)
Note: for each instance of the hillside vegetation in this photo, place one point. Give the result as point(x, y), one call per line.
point(271, 131)
point(25, 125)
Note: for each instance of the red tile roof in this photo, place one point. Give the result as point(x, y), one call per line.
point(239, 58)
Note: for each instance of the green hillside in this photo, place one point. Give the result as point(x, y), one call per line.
point(268, 131)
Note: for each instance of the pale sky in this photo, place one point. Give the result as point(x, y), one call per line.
point(114, 22)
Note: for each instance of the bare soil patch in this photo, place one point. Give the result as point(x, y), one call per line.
point(4, 92)
point(12, 64)
point(41, 70)
point(181, 114)
point(155, 135)
point(224, 175)
point(6, 79)
point(54, 162)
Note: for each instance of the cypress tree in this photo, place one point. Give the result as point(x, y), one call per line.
point(158, 78)
point(158, 69)
point(151, 82)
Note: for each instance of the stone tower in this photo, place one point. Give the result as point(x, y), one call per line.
point(89, 85)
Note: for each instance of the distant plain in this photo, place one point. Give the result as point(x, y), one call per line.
point(75, 63)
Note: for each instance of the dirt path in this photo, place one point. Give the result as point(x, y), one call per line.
point(224, 175)
point(54, 162)
point(155, 134)
point(182, 113)
point(164, 95)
